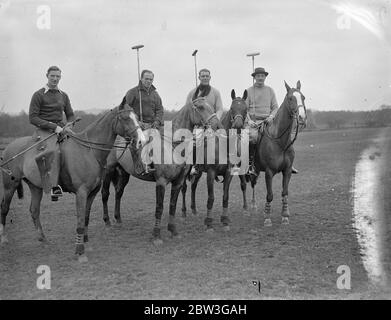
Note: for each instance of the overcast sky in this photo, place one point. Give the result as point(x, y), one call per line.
point(339, 50)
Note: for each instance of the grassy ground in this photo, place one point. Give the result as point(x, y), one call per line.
point(298, 261)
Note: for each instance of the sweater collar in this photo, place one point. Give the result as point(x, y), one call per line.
point(46, 87)
point(141, 87)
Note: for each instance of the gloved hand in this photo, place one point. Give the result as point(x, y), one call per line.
point(269, 119)
point(58, 130)
point(67, 129)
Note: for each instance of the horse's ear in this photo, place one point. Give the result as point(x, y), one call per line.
point(298, 85)
point(121, 106)
point(288, 88)
point(245, 93)
point(233, 94)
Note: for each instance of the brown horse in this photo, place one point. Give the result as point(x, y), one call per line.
point(83, 157)
point(234, 119)
point(274, 152)
point(118, 165)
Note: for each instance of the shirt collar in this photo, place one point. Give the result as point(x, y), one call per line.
point(46, 87)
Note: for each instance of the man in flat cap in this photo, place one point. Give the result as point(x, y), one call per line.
point(262, 105)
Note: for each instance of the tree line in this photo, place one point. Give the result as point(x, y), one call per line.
point(19, 125)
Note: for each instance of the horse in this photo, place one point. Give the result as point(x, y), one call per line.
point(274, 151)
point(82, 166)
point(233, 119)
point(196, 113)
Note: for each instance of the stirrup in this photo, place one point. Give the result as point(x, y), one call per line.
point(251, 171)
point(194, 171)
point(56, 192)
point(148, 170)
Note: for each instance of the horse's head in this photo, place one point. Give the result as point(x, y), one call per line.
point(204, 115)
point(127, 126)
point(296, 103)
point(238, 110)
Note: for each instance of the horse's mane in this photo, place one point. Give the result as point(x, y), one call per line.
point(97, 121)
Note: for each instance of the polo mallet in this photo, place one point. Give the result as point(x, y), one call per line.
point(252, 55)
point(138, 68)
point(194, 54)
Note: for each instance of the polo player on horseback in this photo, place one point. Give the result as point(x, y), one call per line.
point(46, 113)
point(262, 107)
point(212, 97)
point(151, 114)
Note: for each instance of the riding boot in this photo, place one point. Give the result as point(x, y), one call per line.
point(251, 168)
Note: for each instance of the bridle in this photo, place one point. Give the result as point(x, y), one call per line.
point(98, 145)
point(299, 124)
point(208, 122)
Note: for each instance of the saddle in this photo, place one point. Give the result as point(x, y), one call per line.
point(47, 153)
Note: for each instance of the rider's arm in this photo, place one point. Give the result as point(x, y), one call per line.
point(34, 118)
point(68, 109)
point(159, 110)
point(273, 102)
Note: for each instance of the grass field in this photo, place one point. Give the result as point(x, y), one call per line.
point(298, 261)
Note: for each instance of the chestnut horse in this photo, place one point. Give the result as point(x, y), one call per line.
point(83, 157)
point(274, 151)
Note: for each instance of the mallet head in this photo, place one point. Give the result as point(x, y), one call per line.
point(138, 46)
point(194, 53)
point(253, 54)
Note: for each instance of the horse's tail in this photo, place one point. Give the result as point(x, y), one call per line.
point(19, 190)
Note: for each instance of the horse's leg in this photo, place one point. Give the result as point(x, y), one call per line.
point(269, 197)
point(210, 178)
point(253, 202)
point(105, 195)
point(286, 176)
point(160, 190)
point(35, 205)
point(193, 193)
point(9, 191)
point(224, 217)
point(184, 189)
point(81, 205)
point(175, 189)
point(119, 191)
point(243, 186)
point(90, 200)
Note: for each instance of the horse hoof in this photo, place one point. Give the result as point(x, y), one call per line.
point(176, 236)
point(226, 228)
point(285, 221)
point(82, 258)
point(108, 224)
point(210, 230)
point(157, 242)
point(118, 221)
point(42, 238)
point(267, 223)
point(254, 206)
point(194, 212)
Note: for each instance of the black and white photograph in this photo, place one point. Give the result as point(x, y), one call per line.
point(201, 150)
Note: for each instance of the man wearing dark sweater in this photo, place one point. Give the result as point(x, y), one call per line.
point(149, 111)
point(46, 113)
